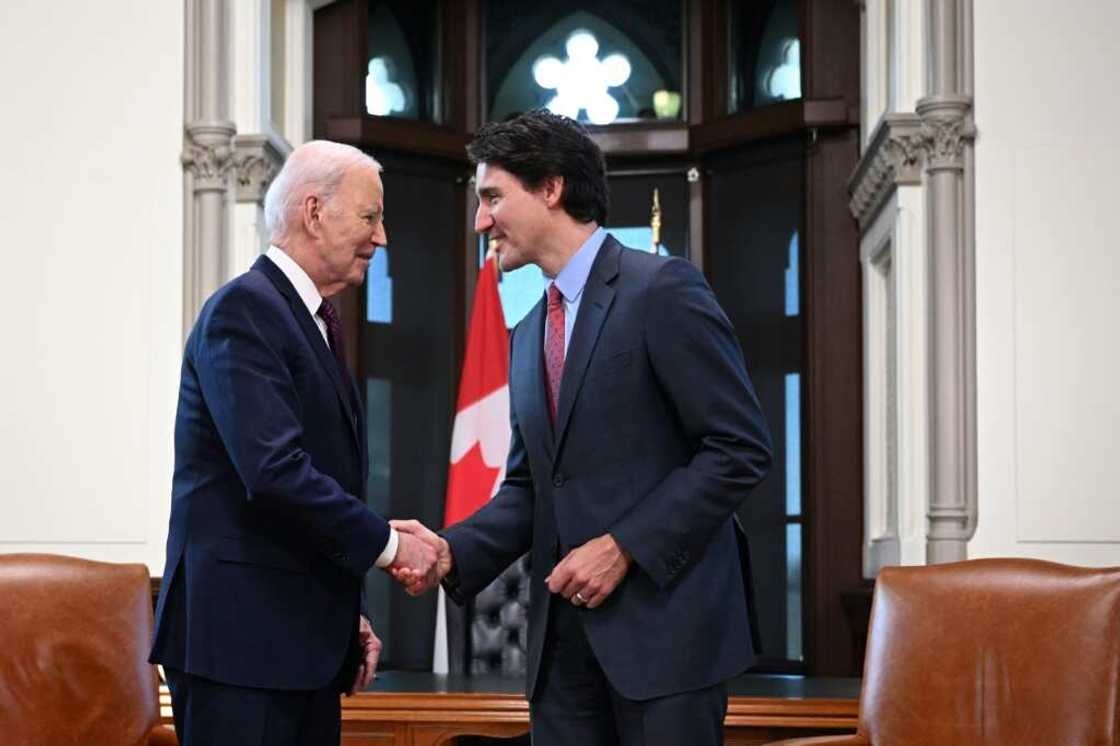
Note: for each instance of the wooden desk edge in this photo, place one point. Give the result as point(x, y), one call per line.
point(436, 707)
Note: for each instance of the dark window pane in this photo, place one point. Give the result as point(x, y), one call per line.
point(379, 409)
point(596, 62)
point(409, 368)
point(632, 206)
point(379, 289)
point(757, 202)
point(401, 70)
point(764, 55)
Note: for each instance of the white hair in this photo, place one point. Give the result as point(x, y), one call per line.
point(317, 168)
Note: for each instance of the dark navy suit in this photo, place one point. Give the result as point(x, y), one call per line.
point(658, 438)
point(269, 537)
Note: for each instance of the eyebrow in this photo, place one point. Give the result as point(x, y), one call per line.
point(489, 192)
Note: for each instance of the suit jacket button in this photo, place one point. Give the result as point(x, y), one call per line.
point(558, 480)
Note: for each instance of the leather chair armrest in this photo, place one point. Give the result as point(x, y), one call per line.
point(850, 740)
point(161, 735)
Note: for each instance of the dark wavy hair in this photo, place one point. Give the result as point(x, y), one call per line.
point(539, 144)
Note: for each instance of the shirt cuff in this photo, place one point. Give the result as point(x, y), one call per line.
point(389, 553)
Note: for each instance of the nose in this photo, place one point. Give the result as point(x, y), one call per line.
point(482, 219)
point(380, 237)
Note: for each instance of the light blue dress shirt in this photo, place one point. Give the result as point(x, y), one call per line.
point(573, 278)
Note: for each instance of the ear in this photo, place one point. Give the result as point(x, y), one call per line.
point(552, 189)
point(311, 213)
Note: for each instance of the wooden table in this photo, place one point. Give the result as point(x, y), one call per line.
point(420, 709)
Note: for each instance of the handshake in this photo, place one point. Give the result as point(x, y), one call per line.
point(423, 557)
point(586, 576)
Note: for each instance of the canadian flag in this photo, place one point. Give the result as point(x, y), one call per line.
point(480, 436)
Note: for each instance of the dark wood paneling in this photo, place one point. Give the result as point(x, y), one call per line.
point(770, 121)
point(706, 74)
point(339, 62)
point(834, 402)
point(834, 344)
point(662, 138)
point(461, 81)
point(830, 54)
point(399, 135)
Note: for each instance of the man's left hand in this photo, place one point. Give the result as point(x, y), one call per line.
point(590, 573)
point(371, 652)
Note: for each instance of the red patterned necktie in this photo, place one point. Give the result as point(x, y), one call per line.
point(334, 334)
point(554, 346)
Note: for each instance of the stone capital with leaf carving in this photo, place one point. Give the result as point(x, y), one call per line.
point(258, 159)
point(903, 145)
point(947, 127)
point(208, 154)
point(894, 156)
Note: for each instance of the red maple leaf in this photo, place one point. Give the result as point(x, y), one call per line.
point(469, 484)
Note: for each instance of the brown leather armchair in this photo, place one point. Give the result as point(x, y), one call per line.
point(74, 637)
point(995, 652)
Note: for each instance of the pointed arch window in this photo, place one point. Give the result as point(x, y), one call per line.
point(578, 60)
point(764, 53)
point(401, 69)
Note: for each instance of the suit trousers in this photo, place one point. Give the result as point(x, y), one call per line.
point(210, 713)
point(575, 703)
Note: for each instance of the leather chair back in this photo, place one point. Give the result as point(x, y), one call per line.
point(992, 653)
point(74, 638)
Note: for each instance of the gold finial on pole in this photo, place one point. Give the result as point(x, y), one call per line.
point(655, 222)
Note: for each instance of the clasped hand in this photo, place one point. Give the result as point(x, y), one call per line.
point(432, 550)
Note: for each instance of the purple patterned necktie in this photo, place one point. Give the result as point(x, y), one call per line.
point(334, 334)
point(554, 347)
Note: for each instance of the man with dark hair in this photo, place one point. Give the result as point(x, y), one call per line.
point(635, 435)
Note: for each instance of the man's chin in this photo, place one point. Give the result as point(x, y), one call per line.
point(509, 263)
point(357, 275)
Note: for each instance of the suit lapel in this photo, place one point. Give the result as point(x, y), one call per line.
point(314, 338)
point(598, 295)
point(528, 368)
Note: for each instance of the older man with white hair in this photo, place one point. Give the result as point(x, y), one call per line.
point(260, 622)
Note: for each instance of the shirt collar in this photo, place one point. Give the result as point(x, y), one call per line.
point(573, 276)
point(305, 288)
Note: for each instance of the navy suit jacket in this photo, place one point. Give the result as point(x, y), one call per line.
point(658, 438)
point(270, 537)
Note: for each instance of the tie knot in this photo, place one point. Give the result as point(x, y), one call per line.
point(554, 296)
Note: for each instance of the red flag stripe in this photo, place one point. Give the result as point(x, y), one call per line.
point(481, 432)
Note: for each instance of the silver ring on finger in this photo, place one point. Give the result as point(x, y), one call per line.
point(578, 599)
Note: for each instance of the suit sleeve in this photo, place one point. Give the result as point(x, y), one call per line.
point(698, 364)
point(252, 398)
point(499, 532)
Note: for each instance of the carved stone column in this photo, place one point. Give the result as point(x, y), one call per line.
point(947, 129)
point(208, 155)
point(920, 435)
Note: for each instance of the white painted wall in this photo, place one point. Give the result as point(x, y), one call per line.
point(1047, 268)
point(91, 219)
